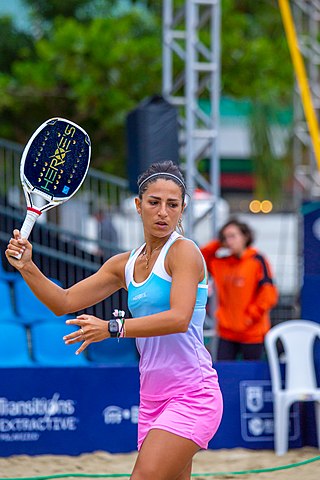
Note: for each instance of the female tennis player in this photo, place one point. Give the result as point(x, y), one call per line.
point(180, 399)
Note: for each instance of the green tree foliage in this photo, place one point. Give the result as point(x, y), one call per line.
point(95, 61)
point(256, 65)
point(93, 74)
point(45, 10)
point(14, 45)
point(270, 153)
point(255, 57)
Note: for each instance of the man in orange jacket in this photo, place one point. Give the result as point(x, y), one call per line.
point(245, 292)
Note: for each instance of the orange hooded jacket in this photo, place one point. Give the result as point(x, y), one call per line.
point(245, 293)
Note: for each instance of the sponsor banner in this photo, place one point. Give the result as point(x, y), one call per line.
point(68, 410)
point(311, 237)
point(310, 299)
point(247, 420)
point(84, 409)
point(256, 410)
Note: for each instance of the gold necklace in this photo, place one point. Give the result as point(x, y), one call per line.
point(144, 254)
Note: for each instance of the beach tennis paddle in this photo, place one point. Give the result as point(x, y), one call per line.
point(53, 166)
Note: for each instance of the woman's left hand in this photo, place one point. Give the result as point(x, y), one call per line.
point(91, 329)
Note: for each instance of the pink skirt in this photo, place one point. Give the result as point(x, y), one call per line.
point(195, 415)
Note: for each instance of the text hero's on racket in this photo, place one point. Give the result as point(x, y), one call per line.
point(53, 167)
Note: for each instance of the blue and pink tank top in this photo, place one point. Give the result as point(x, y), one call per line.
point(175, 363)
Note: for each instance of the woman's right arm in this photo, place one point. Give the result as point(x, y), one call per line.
point(107, 280)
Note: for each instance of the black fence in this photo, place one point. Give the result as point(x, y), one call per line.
point(59, 255)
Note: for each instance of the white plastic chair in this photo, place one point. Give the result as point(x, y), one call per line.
point(297, 337)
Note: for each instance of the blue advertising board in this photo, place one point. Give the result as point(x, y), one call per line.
point(74, 410)
point(310, 298)
point(247, 421)
point(311, 237)
point(68, 410)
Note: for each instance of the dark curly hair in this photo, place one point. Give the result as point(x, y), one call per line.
point(243, 227)
point(167, 170)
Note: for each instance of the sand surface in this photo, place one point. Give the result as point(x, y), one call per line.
point(24, 466)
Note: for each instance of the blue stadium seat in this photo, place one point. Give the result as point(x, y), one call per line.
point(113, 352)
point(7, 276)
point(7, 313)
point(29, 309)
point(49, 349)
point(14, 350)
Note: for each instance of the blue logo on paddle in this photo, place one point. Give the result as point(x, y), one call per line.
point(65, 190)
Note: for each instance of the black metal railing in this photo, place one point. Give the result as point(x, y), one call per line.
point(59, 255)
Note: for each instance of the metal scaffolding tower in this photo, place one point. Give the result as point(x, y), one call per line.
point(191, 75)
point(306, 15)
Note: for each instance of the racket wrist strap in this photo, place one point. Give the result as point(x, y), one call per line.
point(120, 314)
point(120, 322)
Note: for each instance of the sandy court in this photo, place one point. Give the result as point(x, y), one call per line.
point(22, 466)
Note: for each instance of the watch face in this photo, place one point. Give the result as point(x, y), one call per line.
point(113, 326)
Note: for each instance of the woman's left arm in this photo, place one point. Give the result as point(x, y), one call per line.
point(185, 265)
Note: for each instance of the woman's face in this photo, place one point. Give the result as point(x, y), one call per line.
point(234, 239)
point(160, 208)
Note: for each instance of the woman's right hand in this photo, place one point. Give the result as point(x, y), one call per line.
point(18, 245)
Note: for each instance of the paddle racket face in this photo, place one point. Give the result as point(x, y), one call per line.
point(53, 166)
point(56, 159)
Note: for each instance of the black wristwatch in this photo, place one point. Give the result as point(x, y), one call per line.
point(113, 328)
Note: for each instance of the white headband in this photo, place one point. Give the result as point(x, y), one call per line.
point(162, 173)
